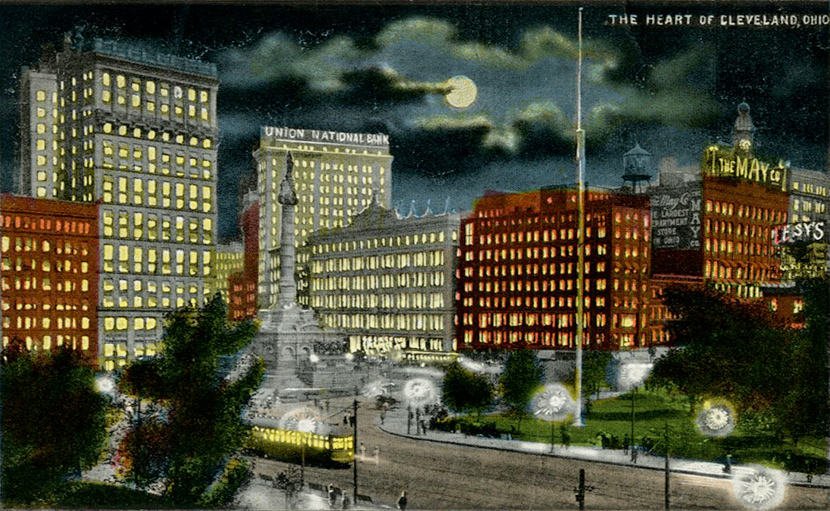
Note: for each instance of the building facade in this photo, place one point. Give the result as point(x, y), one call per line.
point(49, 276)
point(137, 132)
point(803, 241)
point(720, 226)
point(38, 158)
point(336, 175)
point(242, 301)
point(387, 282)
point(227, 261)
point(517, 271)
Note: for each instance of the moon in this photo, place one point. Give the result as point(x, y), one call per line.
point(463, 93)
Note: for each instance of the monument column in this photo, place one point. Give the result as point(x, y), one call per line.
point(287, 199)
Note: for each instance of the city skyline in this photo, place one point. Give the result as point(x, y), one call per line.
point(317, 68)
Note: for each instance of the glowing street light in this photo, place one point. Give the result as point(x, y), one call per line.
point(762, 488)
point(716, 420)
point(304, 420)
point(553, 403)
point(420, 392)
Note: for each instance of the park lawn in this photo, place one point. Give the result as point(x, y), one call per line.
point(653, 410)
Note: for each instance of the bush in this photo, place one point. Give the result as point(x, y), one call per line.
point(235, 476)
point(453, 424)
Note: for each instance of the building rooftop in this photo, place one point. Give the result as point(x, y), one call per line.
point(144, 56)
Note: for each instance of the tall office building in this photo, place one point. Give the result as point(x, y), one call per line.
point(720, 226)
point(335, 175)
point(803, 242)
point(38, 100)
point(137, 131)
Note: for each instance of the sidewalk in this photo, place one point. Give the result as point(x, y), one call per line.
point(395, 424)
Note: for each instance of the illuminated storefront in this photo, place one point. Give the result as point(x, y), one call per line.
point(50, 274)
point(517, 270)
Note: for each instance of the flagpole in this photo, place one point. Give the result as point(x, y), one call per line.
point(580, 283)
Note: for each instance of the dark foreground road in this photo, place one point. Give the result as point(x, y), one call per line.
point(441, 476)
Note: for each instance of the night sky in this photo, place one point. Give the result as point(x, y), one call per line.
point(383, 68)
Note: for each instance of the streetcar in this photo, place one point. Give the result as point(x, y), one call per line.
point(267, 439)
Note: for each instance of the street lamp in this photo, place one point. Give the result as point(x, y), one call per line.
point(629, 377)
point(306, 421)
point(633, 443)
point(553, 403)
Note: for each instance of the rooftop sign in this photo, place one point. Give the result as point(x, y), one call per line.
point(374, 140)
point(725, 162)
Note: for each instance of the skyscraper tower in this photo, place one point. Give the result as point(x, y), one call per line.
point(137, 131)
point(335, 175)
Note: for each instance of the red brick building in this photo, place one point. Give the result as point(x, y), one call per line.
point(242, 286)
point(50, 274)
point(735, 247)
point(517, 271)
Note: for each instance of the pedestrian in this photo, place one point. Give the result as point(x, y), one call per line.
point(332, 496)
point(727, 466)
point(347, 504)
point(376, 453)
point(383, 414)
point(424, 427)
point(345, 420)
point(402, 501)
point(362, 451)
point(328, 403)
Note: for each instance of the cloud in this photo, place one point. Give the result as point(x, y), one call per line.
point(417, 28)
point(384, 84)
point(276, 57)
point(442, 145)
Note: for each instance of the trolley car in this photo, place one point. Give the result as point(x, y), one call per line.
point(269, 440)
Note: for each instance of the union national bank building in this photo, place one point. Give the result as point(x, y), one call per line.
point(336, 175)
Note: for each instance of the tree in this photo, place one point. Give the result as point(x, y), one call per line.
point(594, 366)
point(521, 378)
point(737, 350)
point(803, 411)
point(724, 348)
point(53, 421)
point(203, 424)
point(466, 391)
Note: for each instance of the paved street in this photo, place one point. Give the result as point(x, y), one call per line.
point(446, 476)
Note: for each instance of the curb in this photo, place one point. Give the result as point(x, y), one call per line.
point(804, 484)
